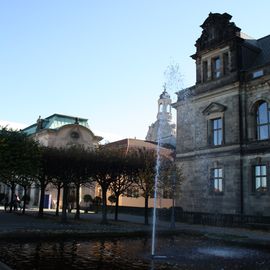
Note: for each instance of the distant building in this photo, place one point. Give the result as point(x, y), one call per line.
point(223, 123)
point(163, 129)
point(58, 131)
point(131, 198)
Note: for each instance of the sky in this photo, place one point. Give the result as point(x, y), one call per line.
point(104, 60)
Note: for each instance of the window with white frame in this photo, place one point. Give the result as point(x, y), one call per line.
point(257, 74)
point(217, 131)
point(260, 178)
point(263, 121)
point(217, 180)
point(216, 67)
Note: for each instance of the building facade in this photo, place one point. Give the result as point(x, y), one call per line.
point(223, 123)
point(132, 197)
point(163, 129)
point(58, 131)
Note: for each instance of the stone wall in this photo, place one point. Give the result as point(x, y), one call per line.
point(237, 155)
point(196, 193)
point(231, 95)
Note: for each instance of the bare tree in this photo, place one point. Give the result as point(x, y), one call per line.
point(19, 160)
point(46, 173)
point(145, 177)
point(125, 178)
point(107, 169)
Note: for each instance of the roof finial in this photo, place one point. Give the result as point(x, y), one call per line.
point(164, 87)
point(39, 124)
point(164, 93)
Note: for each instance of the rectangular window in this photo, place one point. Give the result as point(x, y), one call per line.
point(225, 63)
point(205, 71)
point(257, 74)
point(263, 121)
point(216, 68)
point(217, 131)
point(217, 179)
point(260, 183)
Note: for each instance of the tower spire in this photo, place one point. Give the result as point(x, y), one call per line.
point(164, 116)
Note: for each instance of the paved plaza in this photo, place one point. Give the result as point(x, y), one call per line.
point(16, 225)
point(29, 228)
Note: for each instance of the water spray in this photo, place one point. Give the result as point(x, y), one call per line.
point(155, 190)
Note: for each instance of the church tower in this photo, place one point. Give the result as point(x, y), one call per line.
point(163, 128)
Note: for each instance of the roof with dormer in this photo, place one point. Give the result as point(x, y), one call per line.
point(257, 50)
point(217, 28)
point(249, 57)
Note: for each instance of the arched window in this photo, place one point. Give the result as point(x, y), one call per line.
point(263, 121)
point(165, 108)
point(160, 107)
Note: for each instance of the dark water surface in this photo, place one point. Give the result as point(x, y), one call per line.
point(182, 252)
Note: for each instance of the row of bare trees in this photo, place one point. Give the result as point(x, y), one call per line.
point(24, 162)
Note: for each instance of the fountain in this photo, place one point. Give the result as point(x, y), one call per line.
point(156, 180)
point(173, 79)
point(155, 193)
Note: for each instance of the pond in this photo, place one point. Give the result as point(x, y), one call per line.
point(181, 252)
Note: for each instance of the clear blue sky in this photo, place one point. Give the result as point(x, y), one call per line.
point(103, 59)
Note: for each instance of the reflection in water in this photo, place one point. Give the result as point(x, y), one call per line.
point(182, 253)
point(225, 252)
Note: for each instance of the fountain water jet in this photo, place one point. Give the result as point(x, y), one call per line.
point(155, 199)
point(159, 138)
point(164, 134)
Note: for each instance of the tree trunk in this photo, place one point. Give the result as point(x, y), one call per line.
point(58, 199)
point(65, 203)
point(12, 196)
point(77, 215)
point(24, 201)
point(41, 200)
point(104, 206)
point(116, 208)
point(146, 222)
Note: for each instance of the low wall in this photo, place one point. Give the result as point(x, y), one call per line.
point(214, 219)
point(138, 211)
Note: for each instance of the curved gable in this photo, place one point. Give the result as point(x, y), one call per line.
point(74, 134)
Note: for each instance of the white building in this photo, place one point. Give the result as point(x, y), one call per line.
point(163, 129)
point(58, 131)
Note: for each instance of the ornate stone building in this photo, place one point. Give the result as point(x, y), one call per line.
point(223, 123)
point(163, 128)
point(58, 131)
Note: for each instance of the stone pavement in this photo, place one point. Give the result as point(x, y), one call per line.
point(15, 225)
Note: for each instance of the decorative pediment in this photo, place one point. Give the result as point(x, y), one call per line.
point(214, 107)
point(216, 28)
